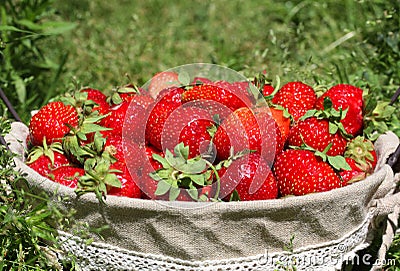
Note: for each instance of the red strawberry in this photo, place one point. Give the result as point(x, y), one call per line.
point(67, 175)
point(252, 178)
point(355, 174)
point(361, 156)
point(166, 103)
point(300, 172)
point(45, 158)
point(117, 122)
point(146, 183)
point(141, 100)
point(216, 98)
point(116, 118)
point(282, 121)
point(296, 97)
point(51, 122)
point(247, 129)
point(150, 151)
point(162, 81)
point(315, 133)
point(190, 125)
point(99, 98)
point(129, 187)
point(346, 97)
point(115, 147)
point(267, 90)
point(131, 94)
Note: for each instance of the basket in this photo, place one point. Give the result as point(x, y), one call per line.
point(313, 232)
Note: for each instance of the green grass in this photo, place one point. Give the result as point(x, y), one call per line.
point(296, 40)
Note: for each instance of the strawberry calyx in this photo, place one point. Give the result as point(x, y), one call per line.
point(45, 150)
point(115, 97)
point(361, 151)
point(332, 115)
point(178, 172)
point(98, 172)
point(74, 143)
point(79, 100)
point(262, 82)
point(338, 162)
point(98, 176)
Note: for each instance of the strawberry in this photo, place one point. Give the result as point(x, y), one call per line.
point(52, 122)
point(346, 97)
point(296, 97)
point(45, 158)
point(361, 156)
point(247, 129)
point(179, 174)
point(301, 172)
point(116, 119)
point(141, 100)
point(150, 151)
point(129, 187)
point(283, 122)
point(321, 129)
point(217, 98)
point(354, 174)
point(190, 125)
point(67, 175)
point(99, 98)
point(162, 81)
point(315, 133)
point(115, 147)
point(168, 100)
point(267, 90)
point(252, 178)
point(146, 183)
point(130, 93)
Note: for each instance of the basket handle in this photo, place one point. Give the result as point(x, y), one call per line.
point(11, 108)
point(394, 157)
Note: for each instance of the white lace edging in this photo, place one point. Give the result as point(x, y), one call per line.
point(102, 256)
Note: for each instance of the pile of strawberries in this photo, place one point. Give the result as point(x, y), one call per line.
point(203, 140)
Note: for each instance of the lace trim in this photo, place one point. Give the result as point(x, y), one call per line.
point(101, 256)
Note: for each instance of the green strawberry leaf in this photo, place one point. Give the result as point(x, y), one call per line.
point(81, 136)
point(234, 196)
point(163, 161)
point(98, 142)
point(310, 113)
point(198, 179)
point(116, 98)
point(174, 193)
point(212, 129)
point(323, 155)
point(333, 128)
point(112, 180)
point(193, 193)
point(154, 175)
point(338, 162)
point(163, 174)
point(162, 188)
point(181, 151)
point(196, 165)
point(88, 128)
